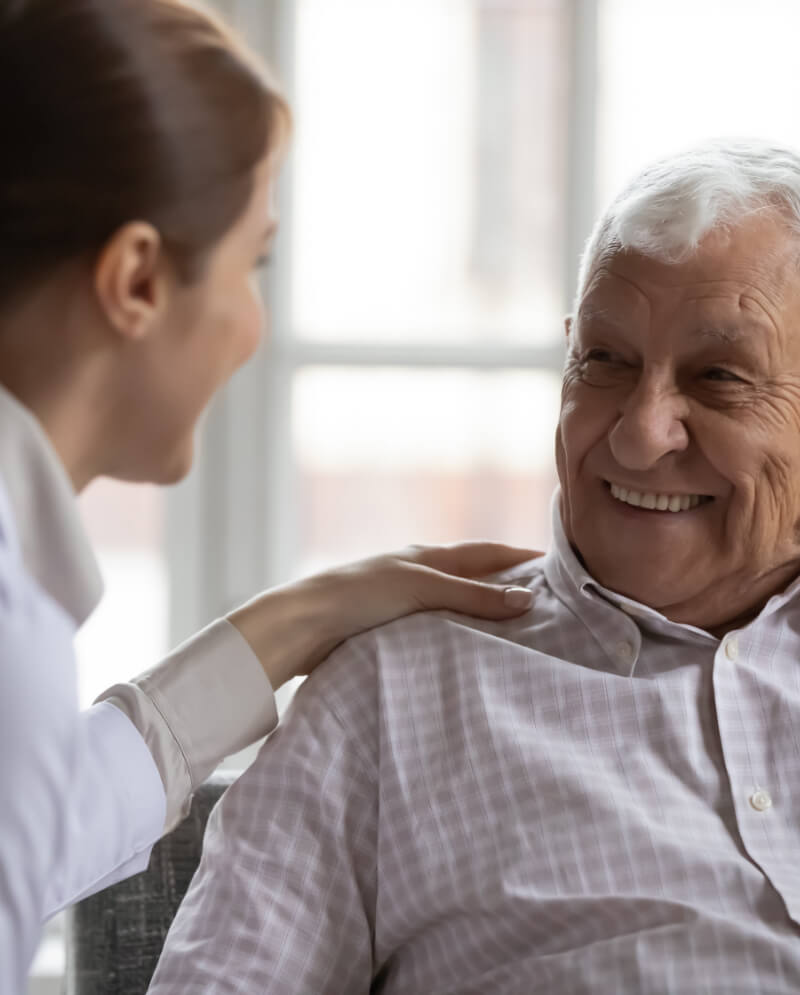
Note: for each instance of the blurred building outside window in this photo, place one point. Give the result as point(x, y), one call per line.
point(427, 243)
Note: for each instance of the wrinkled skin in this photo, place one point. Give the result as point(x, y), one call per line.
point(685, 379)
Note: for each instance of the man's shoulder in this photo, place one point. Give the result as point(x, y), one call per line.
point(365, 658)
point(364, 679)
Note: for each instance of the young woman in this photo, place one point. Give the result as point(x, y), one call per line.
point(140, 146)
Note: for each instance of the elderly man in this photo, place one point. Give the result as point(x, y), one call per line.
point(603, 796)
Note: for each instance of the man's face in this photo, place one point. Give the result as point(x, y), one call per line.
point(682, 391)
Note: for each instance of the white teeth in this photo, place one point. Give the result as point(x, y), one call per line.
point(652, 501)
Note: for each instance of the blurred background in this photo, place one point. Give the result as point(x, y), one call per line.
point(448, 161)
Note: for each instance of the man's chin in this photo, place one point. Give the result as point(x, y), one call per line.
point(642, 580)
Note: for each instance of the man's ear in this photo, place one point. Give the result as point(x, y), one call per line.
point(130, 279)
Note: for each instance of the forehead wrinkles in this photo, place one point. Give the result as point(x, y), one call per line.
point(725, 303)
point(613, 299)
point(755, 289)
point(754, 314)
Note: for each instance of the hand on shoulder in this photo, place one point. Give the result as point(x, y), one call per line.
point(294, 627)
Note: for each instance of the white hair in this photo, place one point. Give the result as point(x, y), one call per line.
point(667, 208)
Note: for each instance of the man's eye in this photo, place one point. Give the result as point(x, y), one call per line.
point(599, 367)
point(600, 356)
point(720, 375)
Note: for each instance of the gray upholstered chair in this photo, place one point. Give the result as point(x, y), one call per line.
point(114, 938)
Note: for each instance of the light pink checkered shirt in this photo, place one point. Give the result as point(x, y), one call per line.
point(589, 799)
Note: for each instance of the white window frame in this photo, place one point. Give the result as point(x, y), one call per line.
point(232, 529)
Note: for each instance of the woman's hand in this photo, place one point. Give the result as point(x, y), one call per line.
point(293, 628)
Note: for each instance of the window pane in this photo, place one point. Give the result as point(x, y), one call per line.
point(128, 632)
point(385, 457)
point(429, 166)
point(674, 73)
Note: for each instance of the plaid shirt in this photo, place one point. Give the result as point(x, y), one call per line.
point(587, 799)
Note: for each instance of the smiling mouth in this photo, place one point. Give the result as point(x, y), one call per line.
point(653, 501)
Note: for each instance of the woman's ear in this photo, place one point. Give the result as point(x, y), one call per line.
point(130, 280)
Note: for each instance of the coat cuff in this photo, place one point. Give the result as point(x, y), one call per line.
point(208, 699)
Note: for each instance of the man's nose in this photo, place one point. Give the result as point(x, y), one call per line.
point(652, 424)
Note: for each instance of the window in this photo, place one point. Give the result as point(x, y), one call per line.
point(426, 254)
point(422, 275)
point(428, 185)
point(429, 232)
point(672, 74)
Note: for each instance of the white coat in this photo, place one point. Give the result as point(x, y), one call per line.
point(84, 795)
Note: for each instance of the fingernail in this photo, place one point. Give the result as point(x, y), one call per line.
point(518, 597)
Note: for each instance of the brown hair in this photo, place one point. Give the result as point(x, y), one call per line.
point(123, 110)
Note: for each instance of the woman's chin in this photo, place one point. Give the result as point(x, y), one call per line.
point(175, 469)
point(167, 468)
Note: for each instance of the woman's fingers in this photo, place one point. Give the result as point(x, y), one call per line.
point(425, 578)
point(292, 628)
point(472, 597)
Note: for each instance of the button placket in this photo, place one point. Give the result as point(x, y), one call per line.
point(731, 647)
point(745, 701)
point(760, 800)
point(625, 651)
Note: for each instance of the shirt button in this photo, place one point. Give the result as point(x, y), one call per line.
point(761, 801)
point(732, 648)
point(626, 652)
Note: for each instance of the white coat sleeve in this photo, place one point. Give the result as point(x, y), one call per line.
point(146, 746)
point(114, 812)
point(84, 795)
point(40, 755)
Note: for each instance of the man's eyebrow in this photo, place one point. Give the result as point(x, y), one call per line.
point(727, 334)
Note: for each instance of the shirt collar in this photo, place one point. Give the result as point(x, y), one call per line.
point(566, 574)
point(52, 542)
